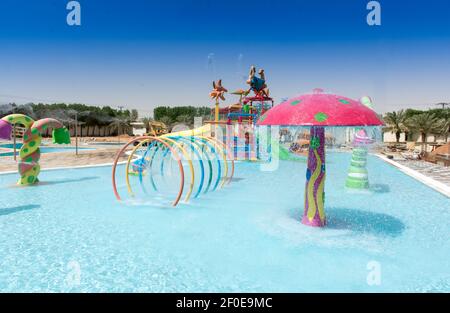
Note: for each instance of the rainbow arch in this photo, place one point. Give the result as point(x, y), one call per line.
point(216, 164)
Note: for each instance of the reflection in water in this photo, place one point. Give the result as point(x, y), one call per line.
point(379, 188)
point(56, 182)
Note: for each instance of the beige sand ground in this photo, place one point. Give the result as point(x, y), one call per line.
point(102, 155)
point(122, 139)
point(68, 159)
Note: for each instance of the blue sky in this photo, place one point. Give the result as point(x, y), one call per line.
point(143, 53)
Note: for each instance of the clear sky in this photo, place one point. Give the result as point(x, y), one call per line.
point(143, 53)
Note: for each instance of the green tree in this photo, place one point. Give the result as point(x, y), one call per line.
point(160, 111)
point(107, 110)
point(424, 124)
point(166, 120)
point(395, 122)
point(125, 113)
point(188, 113)
point(121, 125)
point(445, 127)
point(134, 115)
point(185, 119)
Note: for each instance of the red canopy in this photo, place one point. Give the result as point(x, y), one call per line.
point(320, 109)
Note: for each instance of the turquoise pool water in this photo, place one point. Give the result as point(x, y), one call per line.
point(43, 149)
point(70, 234)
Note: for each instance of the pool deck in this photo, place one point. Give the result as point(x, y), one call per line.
point(96, 157)
point(435, 171)
point(432, 175)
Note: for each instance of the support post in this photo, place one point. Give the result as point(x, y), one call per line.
point(76, 133)
point(314, 213)
point(216, 112)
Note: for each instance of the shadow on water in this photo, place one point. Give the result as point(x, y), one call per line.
point(379, 188)
point(8, 211)
point(364, 222)
point(56, 182)
point(66, 181)
point(235, 179)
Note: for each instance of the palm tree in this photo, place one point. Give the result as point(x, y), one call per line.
point(91, 122)
point(443, 104)
point(424, 124)
point(120, 124)
point(445, 127)
point(395, 123)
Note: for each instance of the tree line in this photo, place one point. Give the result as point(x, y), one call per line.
point(117, 120)
point(409, 121)
point(181, 114)
point(87, 116)
point(424, 123)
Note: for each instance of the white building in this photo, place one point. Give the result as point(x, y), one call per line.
point(138, 128)
point(390, 137)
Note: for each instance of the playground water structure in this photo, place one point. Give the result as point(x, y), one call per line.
point(319, 110)
point(240, 130)
point(235, 125)
point(247, 237)
point(358, 176)
point(189, 163)
point(193, 151)
point(28, 165)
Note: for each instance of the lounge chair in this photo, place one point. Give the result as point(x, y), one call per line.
point(411, 152)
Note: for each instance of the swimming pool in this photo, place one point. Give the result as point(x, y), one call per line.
point(43, 149)
point(245, 237)
point(99, 143)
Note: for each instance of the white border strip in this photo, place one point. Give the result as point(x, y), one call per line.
point(68, 167)
point(73, 167)
point(428, 181)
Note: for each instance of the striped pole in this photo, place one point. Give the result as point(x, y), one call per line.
point(358, 177)
point(314, 213)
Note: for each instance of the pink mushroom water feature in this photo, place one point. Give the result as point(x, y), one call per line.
point(318, 110)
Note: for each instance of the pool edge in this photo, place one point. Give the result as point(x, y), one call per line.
point(428, 181)
point(68, 167)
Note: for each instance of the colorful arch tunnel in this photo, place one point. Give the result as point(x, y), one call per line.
point(173, 167)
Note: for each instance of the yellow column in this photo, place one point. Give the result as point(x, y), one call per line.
point(217, 111)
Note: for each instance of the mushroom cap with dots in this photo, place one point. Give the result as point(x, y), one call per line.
point(320, 109)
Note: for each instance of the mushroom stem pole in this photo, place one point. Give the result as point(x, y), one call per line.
point(314, 214)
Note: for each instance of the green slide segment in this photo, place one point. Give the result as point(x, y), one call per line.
point(285, 155)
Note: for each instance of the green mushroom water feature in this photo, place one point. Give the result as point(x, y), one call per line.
point(358, 177)
point(318, 111)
